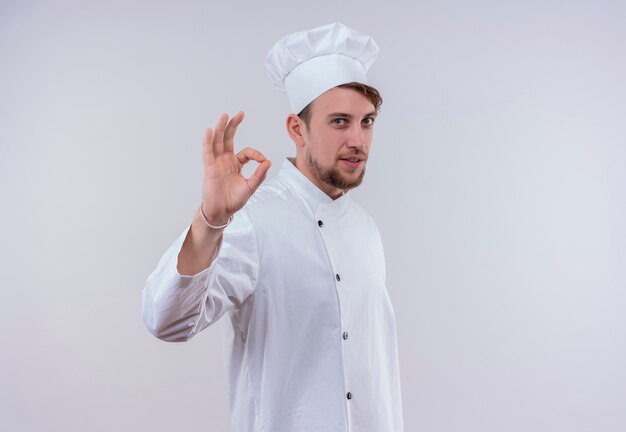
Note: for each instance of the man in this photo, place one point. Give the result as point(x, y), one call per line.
point(299, 270)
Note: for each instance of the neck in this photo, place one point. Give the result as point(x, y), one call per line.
point(305, 169)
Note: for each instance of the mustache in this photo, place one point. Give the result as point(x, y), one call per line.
point(356, 153)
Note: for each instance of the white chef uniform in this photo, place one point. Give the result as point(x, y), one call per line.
point(310, 329)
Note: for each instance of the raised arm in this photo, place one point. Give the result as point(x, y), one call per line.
point(191, 288)
point(225, 191)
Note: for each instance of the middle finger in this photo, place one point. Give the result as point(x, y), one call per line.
point(231, 128)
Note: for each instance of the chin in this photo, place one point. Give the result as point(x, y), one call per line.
point(341, 181)
point(336, 175)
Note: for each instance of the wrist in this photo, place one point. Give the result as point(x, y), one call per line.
point(216, 223)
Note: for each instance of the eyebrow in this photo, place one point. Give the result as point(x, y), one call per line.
point(350, 116)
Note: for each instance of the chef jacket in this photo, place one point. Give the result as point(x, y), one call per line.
point(310, 329)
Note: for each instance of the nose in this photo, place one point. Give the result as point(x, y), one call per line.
point(357, 139)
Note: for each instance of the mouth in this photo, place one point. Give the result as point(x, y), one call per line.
point(353, 161)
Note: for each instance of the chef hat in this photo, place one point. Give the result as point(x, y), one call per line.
point(305, 64)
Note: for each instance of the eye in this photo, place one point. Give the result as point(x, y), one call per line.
point(339, 122)
point(368, 121)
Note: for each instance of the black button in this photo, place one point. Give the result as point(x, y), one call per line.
point(349, 395)
point(320, 223)
point(345, 335)
point(338, 277)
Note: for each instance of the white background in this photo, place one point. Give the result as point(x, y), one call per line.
point(498, 180)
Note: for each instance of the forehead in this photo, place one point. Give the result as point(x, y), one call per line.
point(343, 100)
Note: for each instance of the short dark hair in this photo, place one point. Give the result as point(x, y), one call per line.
point(368, 91)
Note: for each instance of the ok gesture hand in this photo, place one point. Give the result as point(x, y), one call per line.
point(225, 190)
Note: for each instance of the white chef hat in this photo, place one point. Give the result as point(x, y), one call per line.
point(305, 64)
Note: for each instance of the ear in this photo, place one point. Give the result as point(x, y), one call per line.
point(295, 129)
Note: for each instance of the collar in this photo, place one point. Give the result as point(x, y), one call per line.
point(304, 187)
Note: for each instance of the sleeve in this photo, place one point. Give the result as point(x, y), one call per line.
point(175, 307)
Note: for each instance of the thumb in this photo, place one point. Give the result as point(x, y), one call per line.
point(257, 178)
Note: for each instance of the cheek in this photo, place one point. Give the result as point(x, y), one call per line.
point(325, 147)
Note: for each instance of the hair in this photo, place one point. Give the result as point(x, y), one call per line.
point(368, 91)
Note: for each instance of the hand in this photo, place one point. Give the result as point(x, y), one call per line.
point(225, 189)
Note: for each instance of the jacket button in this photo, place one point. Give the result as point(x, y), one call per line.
point(345, 335)
point(320, 223)
point(349, 395)
point(338, 277)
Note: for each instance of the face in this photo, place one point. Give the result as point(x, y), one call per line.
point(337, 143)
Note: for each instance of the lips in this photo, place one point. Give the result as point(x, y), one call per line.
point(352, 161)
point(354, 157)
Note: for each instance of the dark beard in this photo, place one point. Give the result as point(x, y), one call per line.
point(332, 176)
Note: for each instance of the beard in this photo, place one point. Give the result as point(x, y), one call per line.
point(333, 176)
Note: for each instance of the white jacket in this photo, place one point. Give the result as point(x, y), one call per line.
point(311, 332)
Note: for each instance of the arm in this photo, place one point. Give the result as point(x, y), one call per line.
point(189, 290)
point(225, 191)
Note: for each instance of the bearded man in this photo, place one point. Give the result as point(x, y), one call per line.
point(294, 263)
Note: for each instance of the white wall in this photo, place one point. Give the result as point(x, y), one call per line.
point(497, 179)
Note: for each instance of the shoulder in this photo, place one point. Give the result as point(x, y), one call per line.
point(271, 201)
point(271, 192)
